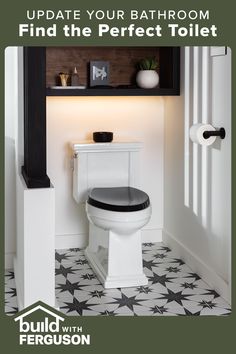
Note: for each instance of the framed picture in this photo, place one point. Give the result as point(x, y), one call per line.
point(99, 73)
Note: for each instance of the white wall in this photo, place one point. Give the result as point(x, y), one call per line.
point(75, 118)
point(10, 172)
point(11, 114)
point(13, 143)
point(197, 204)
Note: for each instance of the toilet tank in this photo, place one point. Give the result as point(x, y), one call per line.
point(113, 164)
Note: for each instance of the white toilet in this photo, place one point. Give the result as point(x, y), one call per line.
point(106, 177)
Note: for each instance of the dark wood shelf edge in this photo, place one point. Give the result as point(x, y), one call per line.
point(113, 92)
point(34, 170)
point(39, 182)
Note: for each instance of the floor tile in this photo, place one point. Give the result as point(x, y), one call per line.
point(173, 288)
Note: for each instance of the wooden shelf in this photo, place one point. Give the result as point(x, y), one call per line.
point(113, 92)
point(123, 69)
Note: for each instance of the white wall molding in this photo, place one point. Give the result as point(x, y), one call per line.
point(151, 235)
point(71, 241)
point(197, 191)
point(81, 240)
point(198, 265)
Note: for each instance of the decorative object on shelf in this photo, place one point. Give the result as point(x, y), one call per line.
point(102, 137)
point(64, 78)
point(99, 73)
point(147, 77)
point(75, 78)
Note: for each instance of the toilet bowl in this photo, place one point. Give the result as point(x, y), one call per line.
point(119, 222)
point(116, 216)
point(121, 209)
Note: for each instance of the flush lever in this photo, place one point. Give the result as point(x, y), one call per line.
point(75, 156)
point(221, 133)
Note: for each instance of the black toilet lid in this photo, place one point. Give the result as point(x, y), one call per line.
point(123, 199)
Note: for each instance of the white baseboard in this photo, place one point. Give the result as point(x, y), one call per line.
point(81, 240)
point(9, 260)
point(61, 242)
point(151, 235)
point(71, 241)
point(197, 265)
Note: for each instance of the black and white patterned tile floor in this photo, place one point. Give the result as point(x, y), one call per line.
point(173, 288)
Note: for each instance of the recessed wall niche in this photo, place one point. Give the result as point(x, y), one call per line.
point(51, 61)
point(123, 69)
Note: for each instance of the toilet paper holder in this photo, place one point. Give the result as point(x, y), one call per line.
point(208, 133)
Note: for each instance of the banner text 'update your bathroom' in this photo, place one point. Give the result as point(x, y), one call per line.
point(156, 23)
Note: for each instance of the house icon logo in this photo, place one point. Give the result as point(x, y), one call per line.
point(41, 325)
point(47, 325)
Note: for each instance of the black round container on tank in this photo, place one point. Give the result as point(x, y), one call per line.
point(102, 137)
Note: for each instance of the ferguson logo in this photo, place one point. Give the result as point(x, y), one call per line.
point(49, 330)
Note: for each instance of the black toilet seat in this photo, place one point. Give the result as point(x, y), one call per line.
point(122, 199)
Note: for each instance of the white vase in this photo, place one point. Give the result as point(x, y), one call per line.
point(147, 79)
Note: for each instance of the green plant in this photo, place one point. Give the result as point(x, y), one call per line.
point(148, 64)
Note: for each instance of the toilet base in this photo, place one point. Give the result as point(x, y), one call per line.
point(116, 259)
point(114, 281)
